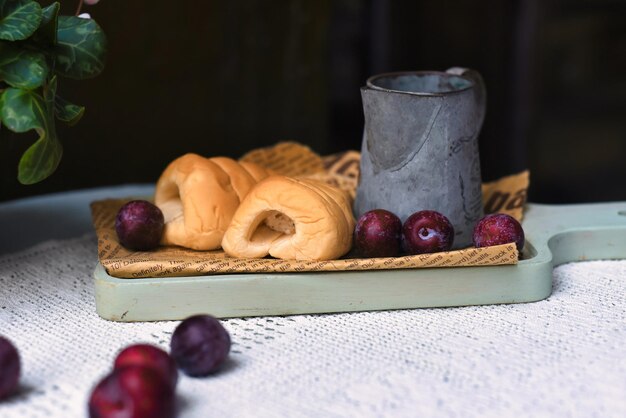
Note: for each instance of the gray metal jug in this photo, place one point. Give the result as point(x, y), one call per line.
point(420, 148)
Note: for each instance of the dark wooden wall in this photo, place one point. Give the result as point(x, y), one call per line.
point(223, 77)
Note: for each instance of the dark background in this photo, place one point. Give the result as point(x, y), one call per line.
point(224, 77)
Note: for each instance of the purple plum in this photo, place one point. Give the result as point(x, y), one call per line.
point(139, 225)
point(148, 356)
point(199, 345)
point(132, 392)
point(9, 368)
point(496, 229)
point(377, 234)
point(427, 231)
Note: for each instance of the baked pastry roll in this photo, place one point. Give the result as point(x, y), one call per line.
point(198, 197)
point(297, 219)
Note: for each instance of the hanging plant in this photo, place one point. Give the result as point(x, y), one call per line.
point(37, 46)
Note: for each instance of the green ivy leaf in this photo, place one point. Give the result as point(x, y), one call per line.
point(80, 49)
point(47, 30)
point(19, 19)
point(22, 110)
point(25, 110)
point(39, 161)
point(68, 112)
point(22, 68)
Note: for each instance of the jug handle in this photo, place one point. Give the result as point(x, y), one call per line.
point(480, 93)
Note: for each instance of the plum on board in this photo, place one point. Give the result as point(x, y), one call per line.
point(9, 368)
point(199, 345)
point(139, 225)
point(132, 392)
point(148, 355)
point(377, 234)
point(427, 231)
point(496, 229)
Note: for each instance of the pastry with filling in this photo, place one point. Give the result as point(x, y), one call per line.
point(199, 196)
point(288, 218)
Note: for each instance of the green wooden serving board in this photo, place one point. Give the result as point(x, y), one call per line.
point(554, 235)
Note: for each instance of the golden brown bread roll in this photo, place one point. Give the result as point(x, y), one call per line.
point(198, 197)
point(297, 219)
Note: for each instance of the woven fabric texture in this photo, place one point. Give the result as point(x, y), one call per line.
point(562, 357)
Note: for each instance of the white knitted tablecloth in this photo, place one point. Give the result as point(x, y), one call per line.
point(565, 356)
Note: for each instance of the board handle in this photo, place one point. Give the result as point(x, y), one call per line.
point(577, 232)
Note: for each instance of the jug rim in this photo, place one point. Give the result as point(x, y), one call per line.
point(369, 83)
